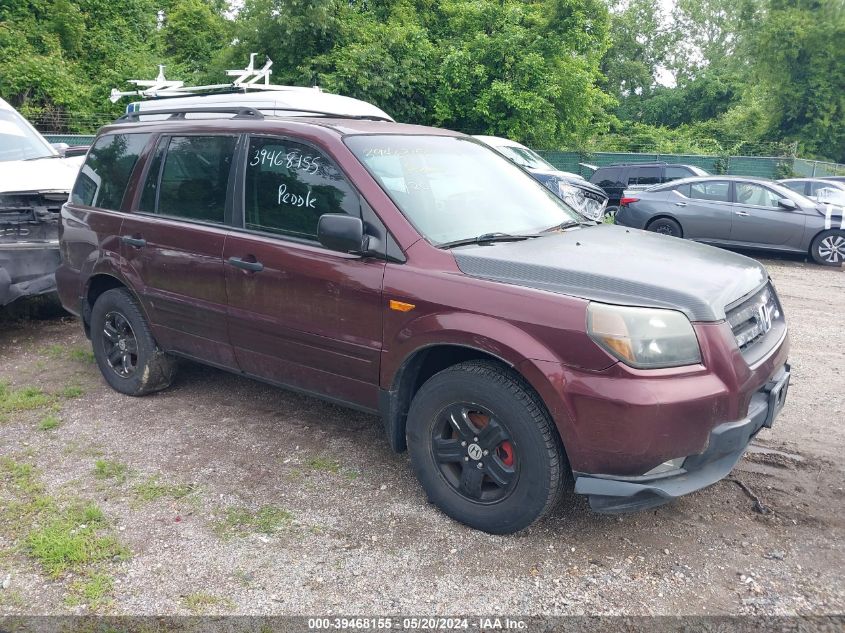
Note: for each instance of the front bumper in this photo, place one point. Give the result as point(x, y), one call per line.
point(27, 269)
point(727, 443)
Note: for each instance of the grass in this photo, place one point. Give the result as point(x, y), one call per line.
point(71, 539)
point(94, 590)
point(60, 537)
point(49, 423)
point(107, 469)
point(22, 399)
point(240, 522)
point(200, 601)
point(71, 391)
point(152, 489)
point(60, 352)
point(325, 464)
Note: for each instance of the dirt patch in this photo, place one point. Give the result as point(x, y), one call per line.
point(229, 496)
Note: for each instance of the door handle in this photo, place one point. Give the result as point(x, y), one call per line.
point(137, 242)
point(742, 213)
point(237, 262)
point(680, 204)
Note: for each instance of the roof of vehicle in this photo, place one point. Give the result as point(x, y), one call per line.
point(649, 164)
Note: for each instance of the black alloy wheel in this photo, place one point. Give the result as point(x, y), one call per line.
point(475, 453)
point(120, 345)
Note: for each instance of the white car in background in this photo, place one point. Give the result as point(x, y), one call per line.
point(35, 181)
point(818, 189)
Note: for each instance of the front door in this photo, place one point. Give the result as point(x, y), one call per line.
point(173, 245)
point(759, 218)
point(299, 314)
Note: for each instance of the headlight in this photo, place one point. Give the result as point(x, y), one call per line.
point(575, 198)
point(647, 338)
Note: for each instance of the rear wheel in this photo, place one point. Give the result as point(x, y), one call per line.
point(828, 248)
point(484, 449)
point(665, 226)
point(125, 350)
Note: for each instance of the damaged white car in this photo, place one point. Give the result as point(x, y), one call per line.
point(35, 181)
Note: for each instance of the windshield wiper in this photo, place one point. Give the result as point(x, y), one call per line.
point(565, 225)
point(487, 238)
point(26, 160)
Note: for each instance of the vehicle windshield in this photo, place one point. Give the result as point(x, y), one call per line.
point(525, 157)
point(18, 141)
point(453, 188)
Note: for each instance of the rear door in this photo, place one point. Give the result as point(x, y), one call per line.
point(704, 208)
point(299, 314)
point(759, 218)
point(173, 244)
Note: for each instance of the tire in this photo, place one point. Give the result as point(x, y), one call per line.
point(665, 226)
point(828, 248)
point(137, 366)
point(510, 470)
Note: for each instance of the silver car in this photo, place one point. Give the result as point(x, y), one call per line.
point(739, 212)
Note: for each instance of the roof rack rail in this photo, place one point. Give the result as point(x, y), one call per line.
point(246, 80)
point(240, 112)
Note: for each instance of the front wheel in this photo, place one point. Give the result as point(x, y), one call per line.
point(828, 248)
point(124, 347)
point(484, 448)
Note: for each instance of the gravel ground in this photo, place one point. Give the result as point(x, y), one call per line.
point(228, 496)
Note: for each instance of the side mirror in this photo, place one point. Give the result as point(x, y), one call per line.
point(786, 203)
point(341, 232)
point(61, 148)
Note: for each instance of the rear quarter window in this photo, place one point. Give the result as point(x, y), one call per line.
point(103, 178)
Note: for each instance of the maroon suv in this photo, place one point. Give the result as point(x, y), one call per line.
point(415, 273)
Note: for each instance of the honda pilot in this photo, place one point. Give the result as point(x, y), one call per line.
point(414, 273)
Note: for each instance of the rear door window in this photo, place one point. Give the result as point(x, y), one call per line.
point(607, 176)
point(674, 173)
point(189, 177)
point(718, 191)
point(289, 185)
point(103, 178)
point(644, 176)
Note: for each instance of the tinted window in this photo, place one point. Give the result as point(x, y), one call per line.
point(719, 191)
point(644, 176)
point(103, 178)
point(290, 185)
point(149, 196)
point(674, 173)
point(607, 176)
point(749, 193)
point(796, 186)
point(194, 177)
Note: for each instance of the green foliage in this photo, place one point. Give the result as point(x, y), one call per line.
point(240, 522)
point(751, 76)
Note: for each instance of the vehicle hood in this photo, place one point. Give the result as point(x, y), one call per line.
point(614, 264)
point(47, 174)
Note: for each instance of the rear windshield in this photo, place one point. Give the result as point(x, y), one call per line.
point(454, 188)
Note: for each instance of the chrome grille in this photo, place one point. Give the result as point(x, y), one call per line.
point(754, 318)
